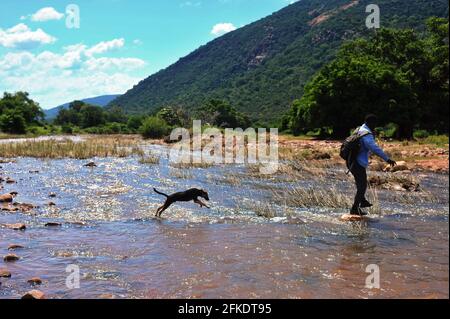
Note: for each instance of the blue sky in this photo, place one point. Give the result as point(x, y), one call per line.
point(119, 42)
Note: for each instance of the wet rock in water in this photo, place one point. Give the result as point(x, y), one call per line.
point(33, 172)
point(52, 195)
point(35, 281)
point(5, 273)
point(51, 204)
point(34, 294)
point(352, 218)
point(7, 198)
point(52, 224)
point(17, 226)
point(9, 208)
point(11, 258)
point(78, 224)
point(90, 164)
point(401, 166)
point(23, 207)
point(15, 247)
point(10, 181)
point(395, 182)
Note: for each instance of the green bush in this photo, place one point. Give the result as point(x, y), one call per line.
point(421, 134)
point(439, 140)
point(13, 123)
point(135, 122)
point(154, 127)
point(389, 131)
point(67, 129)
point(38, 130)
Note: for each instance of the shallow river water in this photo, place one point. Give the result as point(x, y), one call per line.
point(109, 233)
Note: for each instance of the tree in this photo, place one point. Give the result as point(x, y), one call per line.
point(135, 122)
point(21, 104)
point(395, 74)
point(11, 122)
point(116, 114)
point(154, 127)
point(91, 116)
point(170, 116)
point(220, 113)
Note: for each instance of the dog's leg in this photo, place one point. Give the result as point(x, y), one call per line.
point(157, 211)
point(197, 201)
point(163, 208)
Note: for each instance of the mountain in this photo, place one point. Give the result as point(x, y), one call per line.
point(262, 67)
point(102, 101)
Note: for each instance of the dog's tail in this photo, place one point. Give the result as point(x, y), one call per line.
point(158, 192)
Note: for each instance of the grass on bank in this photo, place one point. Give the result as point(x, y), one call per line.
point(66, 148)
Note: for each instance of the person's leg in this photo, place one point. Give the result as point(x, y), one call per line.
point(360, 175)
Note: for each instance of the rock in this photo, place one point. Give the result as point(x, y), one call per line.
point(10, 209)
point(378, 166)
point(5, 273)
point(352, 218)
point(52, 224)
point(52, 195)
point(401, 166)
point(7, 198)
point(34, 172)
point(15, 246)
point(17, 226)
point(35, 281)
point(34, 294)
point(10, 258)
point(24, 207)
point(51, 204)
point(90, 164)
point(10, 181)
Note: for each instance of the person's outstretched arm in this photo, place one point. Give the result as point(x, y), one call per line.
point(372, 145)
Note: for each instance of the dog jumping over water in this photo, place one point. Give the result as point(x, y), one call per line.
point(186, 196)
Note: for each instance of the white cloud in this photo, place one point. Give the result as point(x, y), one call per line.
point(46, 14)
point(105, 46)
point(190, 4)
point(22, 37)
point(55, 78)
point(222, 28)
point(123, 64)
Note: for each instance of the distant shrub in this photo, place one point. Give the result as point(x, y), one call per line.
point(154, 127)
point(38, 130)
point(439, 140)
point(67, 129)
point(389, 131)
point(421, 134)
point(13, 123)
point(135, 122)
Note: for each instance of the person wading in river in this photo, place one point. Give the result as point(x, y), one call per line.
point(359, 164)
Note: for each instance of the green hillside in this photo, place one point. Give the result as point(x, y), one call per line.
point(261, 68)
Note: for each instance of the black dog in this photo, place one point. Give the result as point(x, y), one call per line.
point(190, 194)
